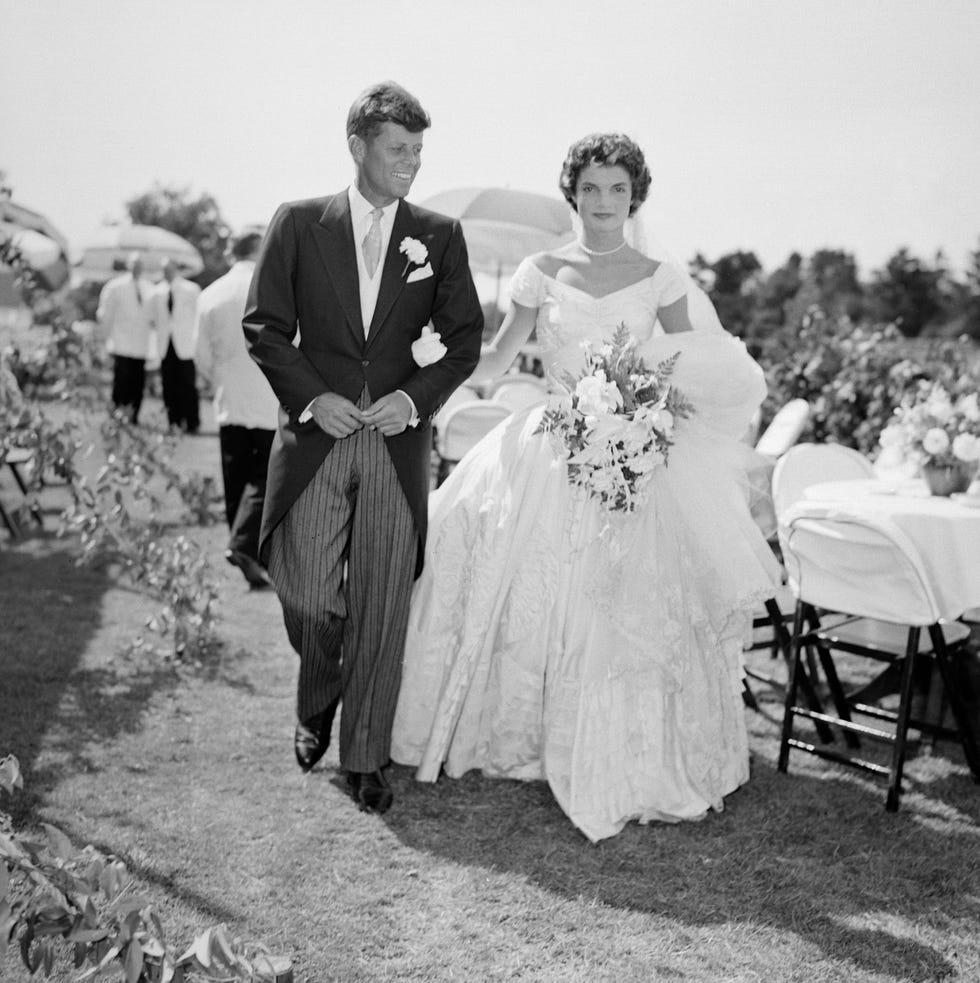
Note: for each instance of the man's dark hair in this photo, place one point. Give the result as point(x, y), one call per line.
point(246, 245)
point(385, 102)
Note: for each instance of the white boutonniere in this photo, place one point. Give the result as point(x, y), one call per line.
point(428, 347)
point(415, 252)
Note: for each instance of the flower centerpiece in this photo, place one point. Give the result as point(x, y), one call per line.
point(614, 425)
point(940, 434)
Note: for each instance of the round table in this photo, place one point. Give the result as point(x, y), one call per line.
point(946, 531)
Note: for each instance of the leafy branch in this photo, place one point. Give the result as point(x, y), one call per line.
point(104, 511)
point(53, 896)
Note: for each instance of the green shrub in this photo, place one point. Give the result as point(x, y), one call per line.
point(854, 375)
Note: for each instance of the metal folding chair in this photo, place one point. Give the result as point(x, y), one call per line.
point(868, 570)
point(14, 459)
point(799, 466)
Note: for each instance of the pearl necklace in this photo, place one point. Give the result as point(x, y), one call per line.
point(602, 252)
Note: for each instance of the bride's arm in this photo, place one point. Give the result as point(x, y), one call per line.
point(499, 354)
point(674, 318)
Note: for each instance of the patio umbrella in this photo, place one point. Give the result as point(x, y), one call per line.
point(502, 226)
point(39, 243)
point(106, 252)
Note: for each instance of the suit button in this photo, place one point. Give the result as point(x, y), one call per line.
point(365, 361)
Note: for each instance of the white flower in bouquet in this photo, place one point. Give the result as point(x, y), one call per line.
point(597, 396)
point(658, 417)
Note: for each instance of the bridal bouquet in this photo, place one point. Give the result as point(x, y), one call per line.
point(614, 425)
point(933, 429)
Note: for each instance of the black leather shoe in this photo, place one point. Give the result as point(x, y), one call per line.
point(253, 571)
point(370, 790)
point(312, 736)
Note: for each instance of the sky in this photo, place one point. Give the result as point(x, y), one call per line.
point(769, 125)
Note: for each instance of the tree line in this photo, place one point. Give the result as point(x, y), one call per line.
point(920, 298)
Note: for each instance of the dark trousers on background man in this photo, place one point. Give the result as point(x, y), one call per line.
point(244, 465)
point(179, 381)
point(128, 383)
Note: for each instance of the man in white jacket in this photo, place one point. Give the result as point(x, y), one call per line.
point(124, 313)
point(245, 407)
point(173, 309)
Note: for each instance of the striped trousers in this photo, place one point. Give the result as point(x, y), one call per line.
point(342, 561)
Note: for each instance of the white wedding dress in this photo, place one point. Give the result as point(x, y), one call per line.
point(551, 639)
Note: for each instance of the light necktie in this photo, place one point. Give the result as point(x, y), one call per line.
point(372, 243)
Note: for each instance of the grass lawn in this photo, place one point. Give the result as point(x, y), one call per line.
point(187, 774)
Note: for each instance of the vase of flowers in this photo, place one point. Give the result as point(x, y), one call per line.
point(946, 479)
point(941, 434)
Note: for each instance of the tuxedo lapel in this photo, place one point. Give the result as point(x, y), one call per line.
point(392, 281)
point(335, 241)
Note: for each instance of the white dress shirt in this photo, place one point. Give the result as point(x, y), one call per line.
point(242, 394)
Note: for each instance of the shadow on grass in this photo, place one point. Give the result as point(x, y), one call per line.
point(53, 709)
point(814, 855)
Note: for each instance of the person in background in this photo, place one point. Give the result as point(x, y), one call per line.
point(245, 407)
point(173, 306)
point(124, 315)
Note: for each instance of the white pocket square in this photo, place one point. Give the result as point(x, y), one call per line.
point(422, 273)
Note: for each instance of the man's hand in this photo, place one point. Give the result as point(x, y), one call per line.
point(335, 415)
point(389, 415)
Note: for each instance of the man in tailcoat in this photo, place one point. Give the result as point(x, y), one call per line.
point(377, 296)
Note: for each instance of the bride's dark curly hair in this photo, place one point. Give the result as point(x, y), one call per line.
point(608, 149)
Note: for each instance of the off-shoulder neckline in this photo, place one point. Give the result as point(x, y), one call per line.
point(600, 297)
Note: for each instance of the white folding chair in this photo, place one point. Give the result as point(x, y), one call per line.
point(802, 465)
point(462, 428)
point(518, 391)
point(784, 429)
point(807, 464)
point(460, 395)
point(870, 571)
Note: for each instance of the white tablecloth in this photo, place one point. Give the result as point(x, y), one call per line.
point(946, 531)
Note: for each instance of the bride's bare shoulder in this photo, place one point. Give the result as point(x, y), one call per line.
point(645, 266)
point(551, 261)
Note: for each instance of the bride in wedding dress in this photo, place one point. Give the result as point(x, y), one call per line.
point(553, 637)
